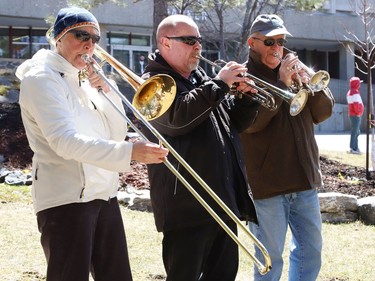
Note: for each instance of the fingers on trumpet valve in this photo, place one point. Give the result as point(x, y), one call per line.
point(231, 73)
point(247, 85)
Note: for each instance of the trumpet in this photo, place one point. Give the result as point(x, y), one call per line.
point(144, 96)
point(317, 80)
point(266, 92)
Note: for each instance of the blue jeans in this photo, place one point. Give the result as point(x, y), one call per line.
point(356, 123)
point(301, 212)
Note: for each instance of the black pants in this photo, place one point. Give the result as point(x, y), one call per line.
point(204, 252)
point(85, 237)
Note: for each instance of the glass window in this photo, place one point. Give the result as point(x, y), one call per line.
point(39, 41)
point(130, 49)
point(128, 39)
point(122, 56)
point(118, 39)
point(4, 43)
point(141, 40)
point(139, 61)
point(333, 64)
point(24, 42)
point(20, 43)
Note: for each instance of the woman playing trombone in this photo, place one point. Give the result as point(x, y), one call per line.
point(78, 142)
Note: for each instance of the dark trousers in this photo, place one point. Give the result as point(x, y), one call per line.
point(204, 253)
point(85, 237)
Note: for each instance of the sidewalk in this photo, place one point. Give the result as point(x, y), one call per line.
point(340, 142)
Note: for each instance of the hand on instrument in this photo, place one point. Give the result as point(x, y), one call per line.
point(95, 80)
point(302, 76)
point(231, 73)
point(148, 152)
point(288, 69)
point(245, 87)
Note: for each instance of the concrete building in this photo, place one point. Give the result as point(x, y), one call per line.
point(318, 38)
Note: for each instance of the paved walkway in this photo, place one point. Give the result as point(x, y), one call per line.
point(340, 142)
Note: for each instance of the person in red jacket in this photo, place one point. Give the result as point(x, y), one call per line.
point(355, 110)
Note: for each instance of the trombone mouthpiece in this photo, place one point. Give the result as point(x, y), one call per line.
point(86, 58)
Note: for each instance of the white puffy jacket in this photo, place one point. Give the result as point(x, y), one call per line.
point(76, 134)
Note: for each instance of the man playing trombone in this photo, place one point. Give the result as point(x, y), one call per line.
point(282, 158)
point(202, 125)
point(77, 138)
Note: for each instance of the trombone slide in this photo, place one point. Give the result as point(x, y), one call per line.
point(263, 269)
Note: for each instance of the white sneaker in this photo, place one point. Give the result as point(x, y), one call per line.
point(352, 151)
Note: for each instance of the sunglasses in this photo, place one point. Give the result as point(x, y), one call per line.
point(270, 41)
point(188, 40)
point(84, 36)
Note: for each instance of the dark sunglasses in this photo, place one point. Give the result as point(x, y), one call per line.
point(84, 36)
point(188, 40)
point(270, 41)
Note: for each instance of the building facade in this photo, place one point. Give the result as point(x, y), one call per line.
point(126, 32)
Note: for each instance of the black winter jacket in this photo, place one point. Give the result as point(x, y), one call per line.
point(202, 125)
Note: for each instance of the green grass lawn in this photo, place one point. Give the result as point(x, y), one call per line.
point(348, 253)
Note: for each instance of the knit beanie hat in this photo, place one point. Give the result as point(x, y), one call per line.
point(70, 18)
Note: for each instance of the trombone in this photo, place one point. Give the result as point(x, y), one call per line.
point(153, 97)
point(266, 92)
point(144, 98)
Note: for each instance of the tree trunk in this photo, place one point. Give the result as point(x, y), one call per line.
point(160, 12)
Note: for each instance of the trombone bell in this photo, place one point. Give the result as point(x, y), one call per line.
point(155, 96)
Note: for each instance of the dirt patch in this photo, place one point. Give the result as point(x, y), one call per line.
point(337, 176)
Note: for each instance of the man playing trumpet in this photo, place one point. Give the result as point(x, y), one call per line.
point(202, 125)
point(282, 159)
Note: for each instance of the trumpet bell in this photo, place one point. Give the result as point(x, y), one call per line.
point(298, 102)
point(319, 80)
point(155, 96)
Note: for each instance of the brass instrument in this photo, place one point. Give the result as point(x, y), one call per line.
point(318, 80)
point(152, 98)
point(266, 92)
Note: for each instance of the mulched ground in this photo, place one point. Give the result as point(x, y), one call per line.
point(337, 176)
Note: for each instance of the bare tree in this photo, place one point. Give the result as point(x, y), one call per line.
point(218, 15)
point(160, 12)
point(252, 10)
point(364, 51)
point(214, 28)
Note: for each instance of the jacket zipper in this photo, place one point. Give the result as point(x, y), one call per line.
point(82, 174)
